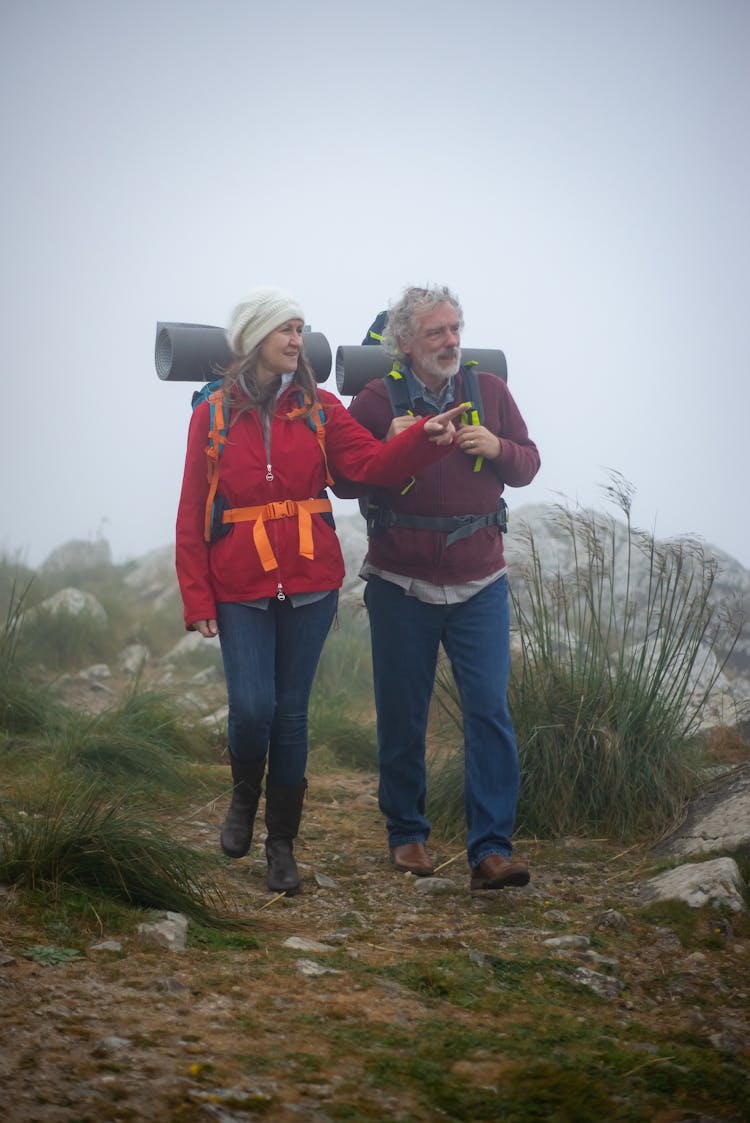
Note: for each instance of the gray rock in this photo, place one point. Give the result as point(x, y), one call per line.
point(612, 919)
point(605, 963)
point(718, 821)
point(154, 577)
point(95, 673)
point(78, 555)
point(606, 986)
point(71, 602)
point(716, 883)
point(189, 644)
point(170, 985)
point(217, 720)
point(303, 943)
point(312, 969)
point(567, 943)
point(133, 658)
point(557, 916)
point(324, 882)
point(169, 930)
point(111, 1044)
point(435, 886)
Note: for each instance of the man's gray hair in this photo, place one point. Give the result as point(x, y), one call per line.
point(402, 315)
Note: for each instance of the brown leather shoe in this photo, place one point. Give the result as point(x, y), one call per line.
point(412, 857)
point(495, 872)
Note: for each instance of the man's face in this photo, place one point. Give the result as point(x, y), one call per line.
point(434, 352)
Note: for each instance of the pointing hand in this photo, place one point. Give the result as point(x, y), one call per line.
point(440, 428)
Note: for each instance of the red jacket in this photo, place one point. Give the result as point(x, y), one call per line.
point(450, 487)
point(230, 568)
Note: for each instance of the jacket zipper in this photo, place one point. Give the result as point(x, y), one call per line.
point(280, 594)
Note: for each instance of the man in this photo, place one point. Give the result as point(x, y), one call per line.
point(435, 574)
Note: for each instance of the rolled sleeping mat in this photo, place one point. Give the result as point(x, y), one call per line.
point(200, 352)
point(356, 366)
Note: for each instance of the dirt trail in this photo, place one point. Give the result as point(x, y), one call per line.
point(272, 1031)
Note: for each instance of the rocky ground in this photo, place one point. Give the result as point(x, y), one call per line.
point(373, 995)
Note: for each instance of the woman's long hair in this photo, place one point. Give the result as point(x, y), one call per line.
point(243, 391)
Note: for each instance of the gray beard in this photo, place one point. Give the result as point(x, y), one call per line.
point(442, 368)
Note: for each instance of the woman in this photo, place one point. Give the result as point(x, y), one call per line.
point(258, 560)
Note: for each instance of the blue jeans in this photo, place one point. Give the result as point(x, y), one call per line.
point(270, 658)
point(406, 635)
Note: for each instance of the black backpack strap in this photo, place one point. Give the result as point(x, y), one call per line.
point(401, 406)
point(472, 393)
point(398, 393)
point(456, 527)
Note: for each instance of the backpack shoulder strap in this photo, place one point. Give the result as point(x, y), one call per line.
point(401, 405)
point(472, 393)
point(205, 392)
point(398, 393)
point(474, 415)
point(317, 422)
point(217, 435)
point(218, 425)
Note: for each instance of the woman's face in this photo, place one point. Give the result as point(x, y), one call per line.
point(279, 351)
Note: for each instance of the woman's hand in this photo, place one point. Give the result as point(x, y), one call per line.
point(207, 628)
point(399, 424)
point(440, 428)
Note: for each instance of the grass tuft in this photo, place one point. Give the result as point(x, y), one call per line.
point(72, 838)
point(144, 740)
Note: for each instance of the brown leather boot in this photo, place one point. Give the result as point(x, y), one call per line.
point(412, 857)
point(495, 872)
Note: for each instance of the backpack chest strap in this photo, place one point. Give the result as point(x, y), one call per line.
point(302, 509)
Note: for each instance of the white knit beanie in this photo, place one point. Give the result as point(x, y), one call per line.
point(259, 313)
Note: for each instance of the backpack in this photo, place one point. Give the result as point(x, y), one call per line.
point(213, 525)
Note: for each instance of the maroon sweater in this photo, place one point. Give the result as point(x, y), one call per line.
point(450, 487)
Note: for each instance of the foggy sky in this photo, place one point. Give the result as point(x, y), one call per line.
point(578, 172)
